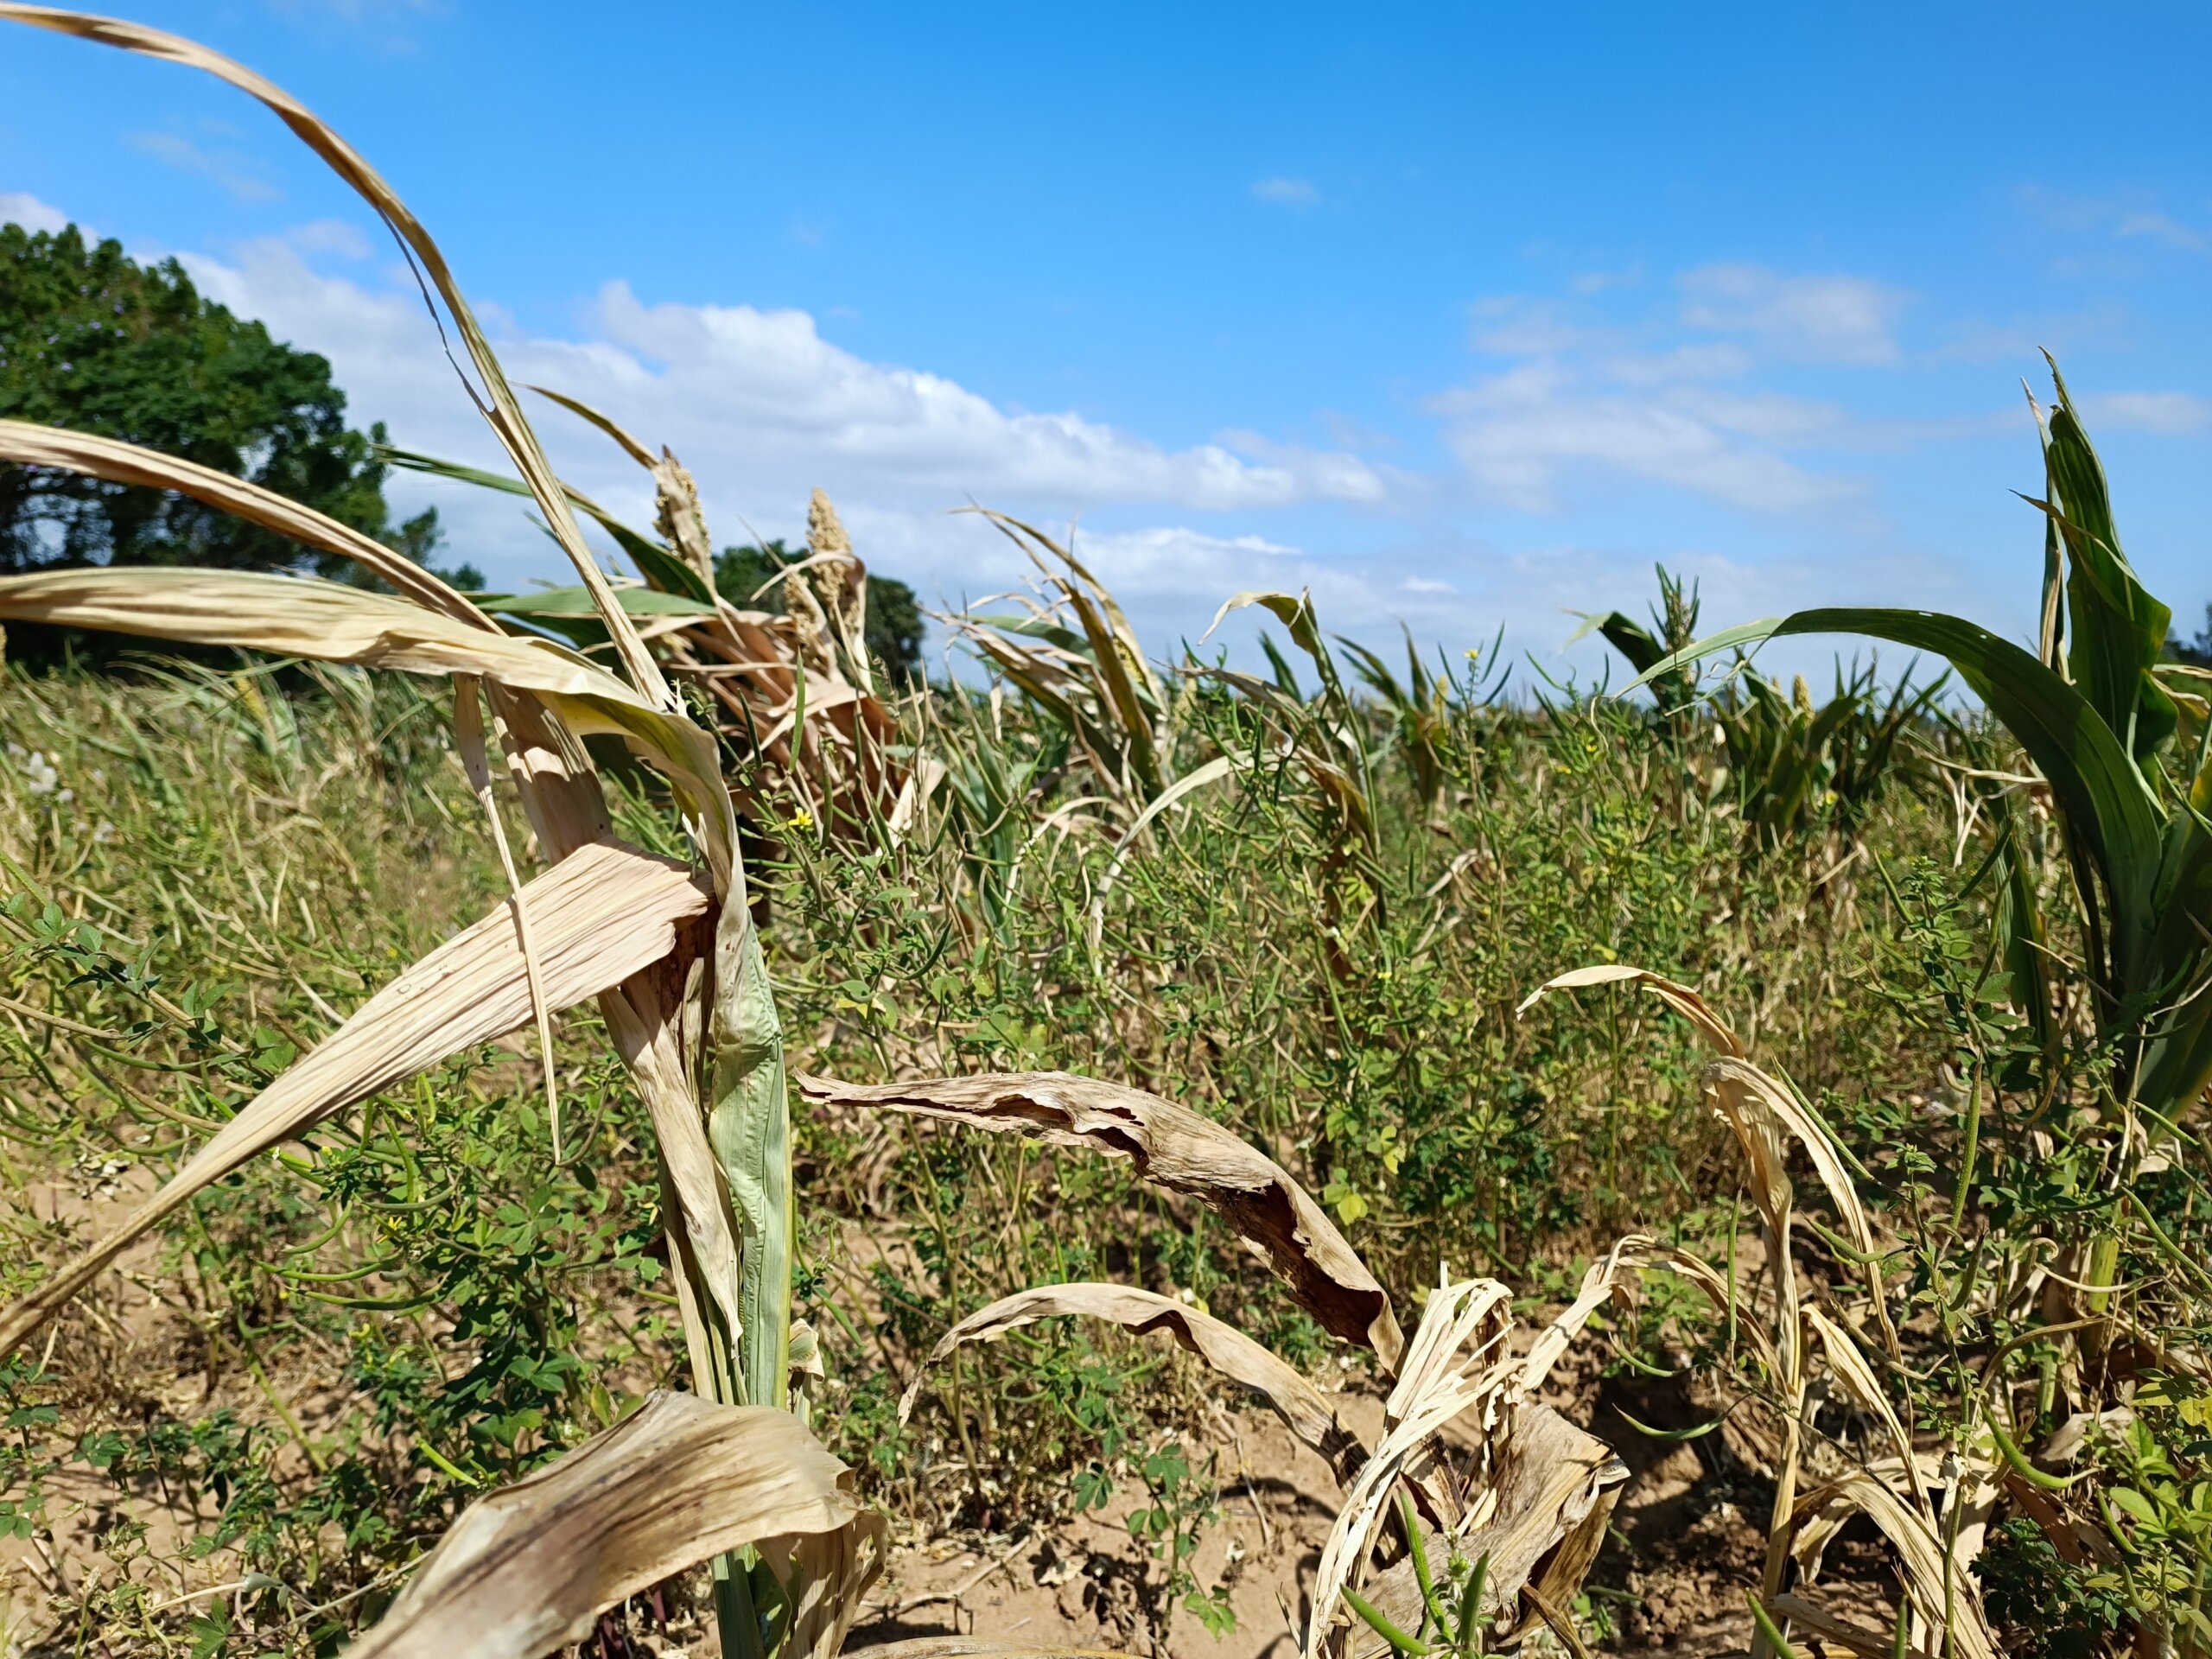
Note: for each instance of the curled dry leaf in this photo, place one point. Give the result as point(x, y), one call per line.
point(830, 1572)
point(527, 1569)
point(1817, 1620)
point(1761, 1111)
point(1222, 1345)
point(1755, 1104)
point(496, 401)
point(117, 462)
point(1938, 1586)
point(1603, 1282)
point(1556, 1485)
point(330, 622)
point(1439, 1386)
point(598, 916)
point(1865, 1391)
point(1714, 1284)
point(1763, 1115)
point(1173, 1149)
point(1480, 1320)
point(1681, 998)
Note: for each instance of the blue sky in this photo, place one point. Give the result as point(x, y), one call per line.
point(1462, 314)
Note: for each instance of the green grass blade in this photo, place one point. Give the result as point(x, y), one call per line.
point(2119, 631)
point(2094, 776)
point(1382, 1627)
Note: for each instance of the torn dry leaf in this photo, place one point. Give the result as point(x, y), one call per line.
point(1678, 997)
point(529, 1567)
point(1556, 1485)
point(328, 621)
point(598, 916)
point(1173, 1149)
point(1226, 1349)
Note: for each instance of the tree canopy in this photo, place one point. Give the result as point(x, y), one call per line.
point(94, 341)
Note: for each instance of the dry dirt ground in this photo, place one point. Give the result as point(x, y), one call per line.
point(1671, 1581)
point(1686, 1539)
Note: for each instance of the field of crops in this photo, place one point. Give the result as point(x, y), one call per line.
point(1112, 1148)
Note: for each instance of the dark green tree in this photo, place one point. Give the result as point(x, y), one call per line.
point(2196, 652)
point(92, 341)
point(894, 615)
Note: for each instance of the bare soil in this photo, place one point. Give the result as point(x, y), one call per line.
point(1687, 1536)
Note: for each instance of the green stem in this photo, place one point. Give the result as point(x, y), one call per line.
point(1967, 1156)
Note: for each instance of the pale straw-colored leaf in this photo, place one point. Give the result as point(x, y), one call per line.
point(1434, 1359)
point(528, 1568)
point(1859, 1385)
point(1437, 1386)
point(330, 622)
point(502, 411)
point(118, 462)
point(1714, 1284)
point(468, 738)
point(1293, 611)
point(1604, 1281)
point(1222, 1345)
point(1171, 1147)
point(1817, 1620)
point(1550, 1495)
point(1770, 1109)
point(1763, 1112)
point(1746, 1091)
point(828, 1573)
point(1469, 1318)
point(1678, 997)
point(1353, 1534)
point(601, 916)
point(646, 1019)
point(1936, 1583)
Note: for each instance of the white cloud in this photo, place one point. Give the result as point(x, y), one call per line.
point(2125, 216)
point(1179, 562)
point(761, 407)
point(229, 171)
point(2148, 411)
point(1286, 192)
point(1821, 319)
point(1513, 325)
point(1712, 359)
point(1597, 282)
point(2161, 228)
point(1516, 433)
point(332, 235)
point(770, 376)
point(20, 207)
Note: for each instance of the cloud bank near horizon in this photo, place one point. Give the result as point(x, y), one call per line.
point(1616, 386)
